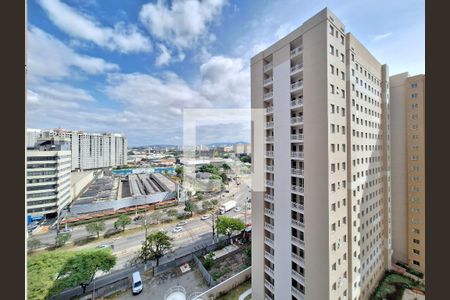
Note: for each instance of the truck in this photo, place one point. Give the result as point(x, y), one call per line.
point(227, 206)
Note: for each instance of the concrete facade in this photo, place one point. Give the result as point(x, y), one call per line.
point(408, 155)
point(321, 229)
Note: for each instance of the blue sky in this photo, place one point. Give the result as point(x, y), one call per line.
point(133, 66)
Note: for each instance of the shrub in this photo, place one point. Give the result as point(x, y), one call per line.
point(111, 232)
point(209, 261)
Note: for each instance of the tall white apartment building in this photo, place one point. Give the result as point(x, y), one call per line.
point(93, 150)
point(321, 229)
point(48, 170)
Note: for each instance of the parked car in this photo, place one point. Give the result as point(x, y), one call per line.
point(137, 283)
point(178, 229)
point(105, 246)
point(237, 209)
point(205, 217)
point(182, 223)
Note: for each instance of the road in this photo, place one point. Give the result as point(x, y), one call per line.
point(196, 233)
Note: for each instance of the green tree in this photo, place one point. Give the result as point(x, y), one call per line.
point(209, 168)
point(156, 215)
point(207, 205)
point(214, 202)
point(33, 244)
point(62, 238)
point(226, 225)
point(122, 221)
point(209, 261)
point(155, 246)
point(172, 213)
point(179, 170)
point(226, 167)
point(95, 228)
point(199, 195)
point(246, 159)
point(190, 207)
point(80, 269)
point(224, 177)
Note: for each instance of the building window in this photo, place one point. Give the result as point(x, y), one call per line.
point(416, 263)
point(417, 252)
point(342, 57)
point(332, 88)
point(342, 39)
point(331, 50)
point(353, 57)
point(414, 96)
point(331, 30)
point(332, 108)
point(416, 241)
point(413, 85)
point(332, 69)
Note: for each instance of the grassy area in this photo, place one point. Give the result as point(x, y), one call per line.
point(237, 291)
point(393, 285)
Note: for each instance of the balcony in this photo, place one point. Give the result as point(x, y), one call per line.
point(298, 189)
point(297, 137)
point(299, 277)
point(298, 224)
point(296, 85)
point(268, 241)
point(267, 67)
point(297, 103)
point(297, 120)
point(268, 81)
point(269, 256)
point(268, 285)
point(268, 96)
point(269, 168)
point(269, 125)
point(268, 270)
point(269, 183)
point(296, 68)
point(269, 138)
point(298, 259)
point(299, 295)
point(296, 51)
point(298, 242)
point(269, 153)
point(297, 172)
point(268, 212)
point(268, 198)
point(297, 206)
point(297, 154)
point(269, 110)
point(269, 227)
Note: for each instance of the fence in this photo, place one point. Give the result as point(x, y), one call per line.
point(229, 284)
point(209, 279)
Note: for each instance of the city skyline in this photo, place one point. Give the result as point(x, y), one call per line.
point(100, 67)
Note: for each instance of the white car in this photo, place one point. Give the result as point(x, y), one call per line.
point(205, 217)
point(178, 229)
point(237, 209)
point(182, 223)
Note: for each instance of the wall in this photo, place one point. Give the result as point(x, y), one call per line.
point(228, 285)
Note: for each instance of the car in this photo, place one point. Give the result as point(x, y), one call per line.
point(137, 283)
point(237, 209)
point(104, 246)
point(205, 217)
point(178, 229)
point(182, 223)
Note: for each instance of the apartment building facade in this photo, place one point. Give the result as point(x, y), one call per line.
point(408, 169)
point(93, 150)
point(48, 169)
point(321, 229)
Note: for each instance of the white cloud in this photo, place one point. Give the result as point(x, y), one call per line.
point(183, 23)
point(48, 57)
point(123, 38)
point(381, 36)
point(226, 81)
point(283, 30)
point(164, 57)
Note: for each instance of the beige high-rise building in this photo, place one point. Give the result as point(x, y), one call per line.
point(321, 229)
point(408, 169)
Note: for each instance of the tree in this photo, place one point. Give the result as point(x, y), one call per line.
point(226, 167)
point(62, 238)
point(207, 205)
point(95, 228)
point(246, 159)
point(224, 177)
point(33, 244)
point(190, 207)
point(80, 269)
point(209, 261)
point(172, 213)
point(156, 215)
point(199, 195)
point(226, 225)
point(214, 202)
point(155, 246)
point(122, 221)
point(179, 170)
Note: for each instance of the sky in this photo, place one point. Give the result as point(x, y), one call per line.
point(132, 66)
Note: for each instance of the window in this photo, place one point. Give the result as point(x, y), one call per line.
point(413, 85)
point(332, 88)
point(416, 262)
point(414, 96)
point(353, 57)
point(333, 187)
point(333, 168)
point(416, 241)
point(332, 69)
point(342, 39)
point(343, 93)
point(343, 75)
point(332, 148)
point(331, 30)
point(342, 57)
point(332, 108)
point(416, 251)
point(331, 49)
